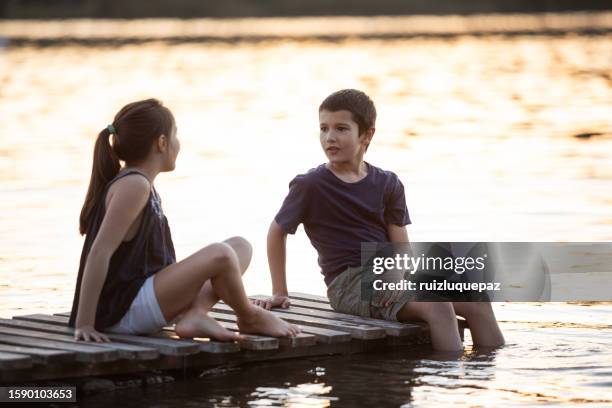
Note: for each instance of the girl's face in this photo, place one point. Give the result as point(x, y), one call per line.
point(174, 146)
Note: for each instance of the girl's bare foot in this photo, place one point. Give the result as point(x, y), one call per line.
point(261, 321)
point(197, 324)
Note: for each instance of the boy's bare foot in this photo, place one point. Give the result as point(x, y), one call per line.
point(261, 321)
point(196, 324)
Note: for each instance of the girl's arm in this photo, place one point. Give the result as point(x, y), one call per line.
point(128, 198)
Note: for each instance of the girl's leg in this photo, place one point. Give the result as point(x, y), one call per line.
point(442, 321)
point(481, 320)
point(195, 322)
point(177, 286)
point(207, 297)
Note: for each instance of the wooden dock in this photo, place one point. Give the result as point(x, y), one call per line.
point(39, 347)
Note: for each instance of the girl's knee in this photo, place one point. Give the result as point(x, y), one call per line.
point(243, 250)
point(238, 241)
point(219, 255)
point(240, 245)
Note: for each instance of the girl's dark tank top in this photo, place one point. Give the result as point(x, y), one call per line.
point(149, 251)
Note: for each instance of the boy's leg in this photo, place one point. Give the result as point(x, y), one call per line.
point(481, 320)
point(440, 316)
point(344, 293)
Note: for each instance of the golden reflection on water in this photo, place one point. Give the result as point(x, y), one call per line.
point(480, 130)
point(308, 26)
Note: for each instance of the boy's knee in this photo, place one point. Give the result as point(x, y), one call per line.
point(473, 309)
point(436, 311)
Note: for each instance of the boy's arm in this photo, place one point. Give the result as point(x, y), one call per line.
point(277, 255)
point(397, 234)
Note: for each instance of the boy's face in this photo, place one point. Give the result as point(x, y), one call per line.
point(339, 135)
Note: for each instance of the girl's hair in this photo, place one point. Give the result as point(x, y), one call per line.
point(135, 128)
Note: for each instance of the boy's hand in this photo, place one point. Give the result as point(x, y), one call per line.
point(389, 297)
point(273, 301)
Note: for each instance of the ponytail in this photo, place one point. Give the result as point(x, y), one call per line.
point(135, 129)
point(105, 167)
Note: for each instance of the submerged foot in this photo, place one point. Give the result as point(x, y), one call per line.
point(261, 321)
point(201, 325)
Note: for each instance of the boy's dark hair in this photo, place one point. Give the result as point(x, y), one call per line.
point(358, 103)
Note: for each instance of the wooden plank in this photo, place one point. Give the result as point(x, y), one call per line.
point(248, 342)
point(64, 333)
point(11, 361)
point(326, 336)
point(206, 345)
point(391, 328)
point(55, 337)
point(164, 346)
point(358, 331)
point(83, 352)
point(309, 297)
point(256, 342)
point(40, 355)
point(311, 305)
point(55, 319)
point(301, 340)
point(322, 303)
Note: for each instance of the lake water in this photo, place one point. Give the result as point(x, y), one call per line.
point(479, 128)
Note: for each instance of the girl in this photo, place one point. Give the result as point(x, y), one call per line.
point(129, 281)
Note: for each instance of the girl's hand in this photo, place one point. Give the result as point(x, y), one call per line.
point(274, 301)
point(88, 333)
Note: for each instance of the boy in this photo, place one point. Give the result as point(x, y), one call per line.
point(348, 201)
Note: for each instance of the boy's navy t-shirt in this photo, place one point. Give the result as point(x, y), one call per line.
point(339, 216)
